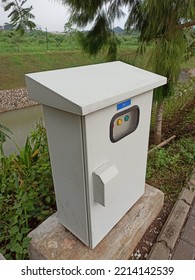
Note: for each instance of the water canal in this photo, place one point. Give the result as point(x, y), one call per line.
point(21, 122)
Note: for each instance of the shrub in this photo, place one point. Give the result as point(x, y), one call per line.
point(169, 168)
point(26, 193)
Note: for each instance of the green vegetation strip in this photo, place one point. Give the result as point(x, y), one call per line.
point(169, 168)
point(26, 192)
point(15, 66)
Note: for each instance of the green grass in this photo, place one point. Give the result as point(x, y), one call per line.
point(36, 41)
point(173, 106)
point(169, 168)
point(14, 66)
point(21, 55)
point(190, 63)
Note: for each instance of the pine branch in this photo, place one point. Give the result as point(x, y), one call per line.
point(186, 25)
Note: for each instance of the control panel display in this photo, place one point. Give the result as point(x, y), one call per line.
point(124, 123)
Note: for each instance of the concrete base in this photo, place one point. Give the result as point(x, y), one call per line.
point(51, 241)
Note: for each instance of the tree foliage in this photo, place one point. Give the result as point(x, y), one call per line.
point(162, 25)
point(100, 14)
point(20, 16)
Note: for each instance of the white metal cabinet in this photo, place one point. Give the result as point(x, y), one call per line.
point(97, 119)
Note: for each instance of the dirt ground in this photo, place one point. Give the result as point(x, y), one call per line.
point(145, 245)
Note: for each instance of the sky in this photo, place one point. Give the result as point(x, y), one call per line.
point(48, 14)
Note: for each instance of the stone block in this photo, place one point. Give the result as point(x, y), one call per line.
point(191, 182)
point(159, 252)
point(51, 241)
point(193, 210)
point(187, 195)
point(189, 231)
point(183, 251)
point(174, 224)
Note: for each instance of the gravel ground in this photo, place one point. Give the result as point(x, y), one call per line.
point(142, 250)
point(14, 99)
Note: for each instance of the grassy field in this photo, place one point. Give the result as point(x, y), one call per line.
point(40, 51)
point(21, 55)
point(15, 66)
point(39, 41)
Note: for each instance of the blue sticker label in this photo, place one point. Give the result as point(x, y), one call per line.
point(123, 104)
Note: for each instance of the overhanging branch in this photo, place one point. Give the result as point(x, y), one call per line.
point(186, 24)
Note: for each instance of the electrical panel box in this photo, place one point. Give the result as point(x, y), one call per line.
point(97, 120)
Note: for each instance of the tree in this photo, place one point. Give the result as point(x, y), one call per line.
point(69, 29)
point(16, 40)
point(162, 25)
point(20, 16)
point(101, 35)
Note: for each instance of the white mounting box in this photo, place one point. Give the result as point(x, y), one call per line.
point(97, 120)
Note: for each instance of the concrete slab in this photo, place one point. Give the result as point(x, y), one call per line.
point(183, 251)
point(174, 224)
point(51, 241)
point(187, 195)
point(191, 182)
point(193, 210)
point(189, 231)
point(159, 252)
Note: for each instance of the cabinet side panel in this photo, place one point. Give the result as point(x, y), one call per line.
point(64, 133)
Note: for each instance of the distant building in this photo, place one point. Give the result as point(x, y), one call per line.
point(8, 26)
point(118, 30)
point(38, 27)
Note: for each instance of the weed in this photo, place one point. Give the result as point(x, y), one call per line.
point(169, 168)
point(27, 195)
point(4, 135)
point(174, 105)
